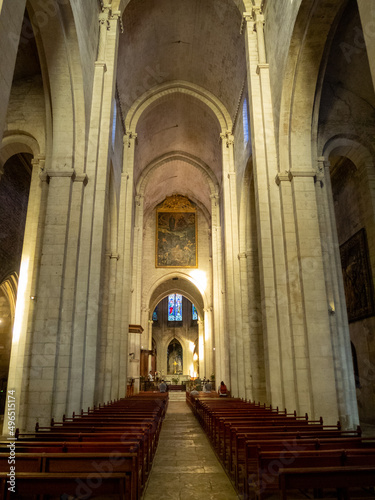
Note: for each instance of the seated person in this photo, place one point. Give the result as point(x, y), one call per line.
point(222, 389)
point(163, 386)
point(194, 392)
point(208, 387)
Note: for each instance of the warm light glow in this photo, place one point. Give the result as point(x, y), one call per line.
point(191, 346)
point(195, 357)
point(21, 299)
point(200, 278)
point(201, 347)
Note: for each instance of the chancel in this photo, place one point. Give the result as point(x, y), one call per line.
point(187, 188)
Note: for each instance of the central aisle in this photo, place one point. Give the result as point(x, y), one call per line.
point(185, 466)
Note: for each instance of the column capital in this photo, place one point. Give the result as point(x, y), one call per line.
point(282, 177)
point(228, 137)
point(242, 255)
point(81, 178)
point(247, 17)
point(47, 175)
point(215, 198)
point(138, 199)
point(39, 162)
point(129, 137)
point(113, 255)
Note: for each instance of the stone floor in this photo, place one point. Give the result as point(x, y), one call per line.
point(185, 466)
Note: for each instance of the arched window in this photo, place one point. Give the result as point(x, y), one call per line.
point(355, 366)
point(175, 358)
point(155, 314)
point(194, 313)
point(245, 118)
point(114, 122)
point(175, 307)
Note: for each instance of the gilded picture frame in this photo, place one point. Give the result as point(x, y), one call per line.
point(176, 233)
point(356, 271)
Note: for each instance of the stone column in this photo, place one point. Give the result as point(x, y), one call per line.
point(26, 293)
point(232, 269)
point(48, 326)
point(11, 17)
point(107, 383)
point(201, 349)
point(208, 331)
point(320, 361)
point(345, 382)
point(220, 344)
point(274, 293)
point(123, 281)
point(86, 327)
point(136, 285)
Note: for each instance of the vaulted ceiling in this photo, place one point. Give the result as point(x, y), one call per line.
point(193, 41)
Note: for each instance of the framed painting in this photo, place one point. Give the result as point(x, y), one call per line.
point(357, 277)
point(176, 233)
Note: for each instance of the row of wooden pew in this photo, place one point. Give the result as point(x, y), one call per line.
point(105, 451)
point(271, 452)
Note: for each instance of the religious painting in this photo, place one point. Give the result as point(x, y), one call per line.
point(176, 233)
point(357, 277)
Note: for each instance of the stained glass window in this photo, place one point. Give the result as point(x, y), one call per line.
point(114, 123)
point(175, 307)
point(194, 312)
point(155, 314)
point(245, 118)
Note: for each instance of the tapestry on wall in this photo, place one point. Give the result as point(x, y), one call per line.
point(176, 233)
point(357, 277)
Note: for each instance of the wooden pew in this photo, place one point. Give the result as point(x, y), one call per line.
point(343, 478)
point(111, 486)
point(263, 476)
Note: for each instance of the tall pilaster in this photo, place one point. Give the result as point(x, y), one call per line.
point(86, 326)
point(201, 349)
point(135, 316)
point(27, 291)
point(340, 336)
point(123, 282)
point(220, 345)
point(48, 325)
point(275, 308)
point(232, 268)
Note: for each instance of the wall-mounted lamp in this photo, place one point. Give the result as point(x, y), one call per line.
point(32, 297)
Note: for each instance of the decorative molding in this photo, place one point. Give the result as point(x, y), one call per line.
point(81, 178)
point(46, 175)
point(262, 66)
point(247, 17)
point(102, 64)
point(242, 255)
point(136, 329)
point(177, 202)
point(301, 173)
point(128, 137)
point(282, 178)
point(138, 199)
